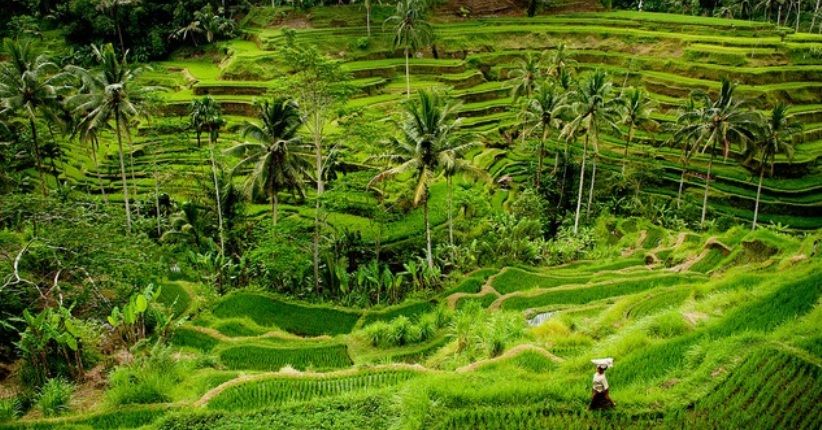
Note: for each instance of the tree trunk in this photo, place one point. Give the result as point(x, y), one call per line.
point(122, 168)
point(707, 186)
point(450, 213)
point(275, 211)
point(407, 75)
point(157, 198)
point(37, 160)
point(317, 206)
point(131, 164)
point(813, 18)
point(591, 190)
point(368, 17)
point(798, 13)
point(97, 169)
point(581, 182)
point(541, 155)
point(217, 194)
point(681, 184)
point(429, 257)
point(758, 194)
point(627, 144)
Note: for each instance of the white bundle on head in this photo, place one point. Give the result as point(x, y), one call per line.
point(604, 363)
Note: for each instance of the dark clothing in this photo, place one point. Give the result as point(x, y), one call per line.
point(601, 400)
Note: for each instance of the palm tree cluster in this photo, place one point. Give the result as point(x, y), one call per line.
point(553, 104)
point(81, 102)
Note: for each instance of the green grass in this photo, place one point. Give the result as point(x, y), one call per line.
point(301, 319)
point(259, 357)
point(599, 291)
point(277, 390)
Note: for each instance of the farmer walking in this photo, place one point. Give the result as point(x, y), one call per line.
point(601, 399)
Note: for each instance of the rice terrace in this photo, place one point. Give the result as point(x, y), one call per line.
point(411, 214)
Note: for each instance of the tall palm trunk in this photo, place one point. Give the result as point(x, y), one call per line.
point(681, 185)
point(707, 186)
point(122, 167)
point(37, 159)
point(318, 159)
point(813, 18)
point(591, 189)
point(758, 194)
point(429, 257)
point(541, 155)
point(157, 197)
point(275, 211)
point(131, 165)
point(581, 182)
point(217, 194)
point(627, 144)
point(368, 17)
point(450, 211)
point(407, 75)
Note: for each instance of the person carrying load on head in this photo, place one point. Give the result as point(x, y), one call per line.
point(601, 399)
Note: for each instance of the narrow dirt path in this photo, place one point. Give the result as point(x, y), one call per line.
point(508, 354)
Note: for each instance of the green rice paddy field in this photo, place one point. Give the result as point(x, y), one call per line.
point(703, 335)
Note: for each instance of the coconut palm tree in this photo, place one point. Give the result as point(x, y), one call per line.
point(110, 94)
point(428, 129)
point(716, 125)
point(411, 31)
point(278, 164)
point(561, 61)
point(543, 110)
point(206, 116)
point(775, 140)
point(636, 112)
point(524, 78)
point(594, 107)
point(29, 84)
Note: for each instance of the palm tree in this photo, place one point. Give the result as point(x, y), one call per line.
point(636, 112)
point(107, 94)
point(524, 78)
point(774, 141)
point(277, 165)
point(428, 129)
point(717, 124)
point(561, 61)
point(594, 107)
point(411, 31)
point(543, 110)
point(206, 116)
point(28, 84)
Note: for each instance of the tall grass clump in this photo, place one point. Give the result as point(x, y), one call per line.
point(10, 409)
point(404, 331)
point(148, 379)
point(54, 396)
point(259, 357)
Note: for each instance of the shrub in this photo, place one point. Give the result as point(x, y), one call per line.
point(10, 408)
point(669, 324)
point(147, 380)
point(403, 331)
point(54, 397)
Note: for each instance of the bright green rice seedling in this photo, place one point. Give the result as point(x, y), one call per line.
point(259, 394)
point(258, 357)
point(309, 320)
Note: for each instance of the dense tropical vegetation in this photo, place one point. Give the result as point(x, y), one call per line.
point(412, 214)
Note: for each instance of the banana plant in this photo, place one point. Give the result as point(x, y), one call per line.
point(129, 322)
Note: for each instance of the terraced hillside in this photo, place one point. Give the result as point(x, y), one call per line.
point(689, 331)
point(668, 55)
